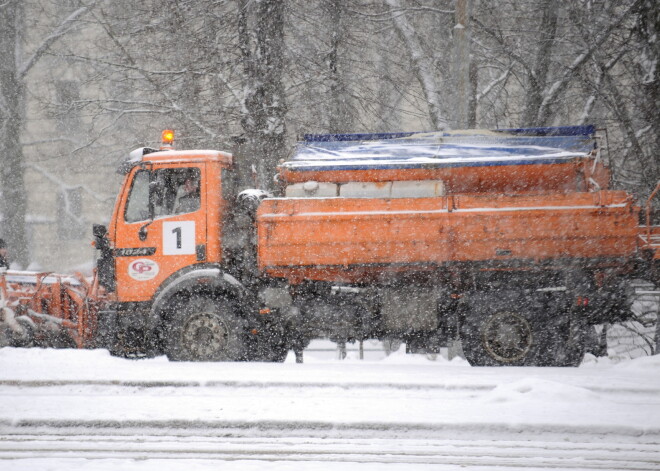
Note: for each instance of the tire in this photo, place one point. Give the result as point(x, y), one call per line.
point(511, 328)
point(205, 328)
point(500, 338)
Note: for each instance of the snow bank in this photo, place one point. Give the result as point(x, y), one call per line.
point(541, 391)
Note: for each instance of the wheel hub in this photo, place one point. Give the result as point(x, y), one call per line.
point(205, 336)
point(507, 336)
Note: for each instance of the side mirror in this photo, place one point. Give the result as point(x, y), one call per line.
point(99, 230)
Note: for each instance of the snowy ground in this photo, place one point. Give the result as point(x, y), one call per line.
point(85, 410)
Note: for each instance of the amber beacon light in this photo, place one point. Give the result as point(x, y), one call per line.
point(167, 138)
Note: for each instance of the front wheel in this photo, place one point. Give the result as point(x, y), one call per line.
point(205, 328)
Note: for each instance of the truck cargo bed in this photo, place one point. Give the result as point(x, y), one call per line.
point(327, 238)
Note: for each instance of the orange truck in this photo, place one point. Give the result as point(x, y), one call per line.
point(509, 241)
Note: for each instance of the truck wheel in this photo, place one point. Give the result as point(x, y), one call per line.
point(204, 328)
point(518, 329)
point(501, 338)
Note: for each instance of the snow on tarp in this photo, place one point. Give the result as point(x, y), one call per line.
point(442, 149)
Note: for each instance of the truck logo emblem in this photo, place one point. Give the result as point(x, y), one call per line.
point(135, 252)
point(143, 269)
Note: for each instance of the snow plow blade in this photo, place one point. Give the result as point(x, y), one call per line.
point(48, 310)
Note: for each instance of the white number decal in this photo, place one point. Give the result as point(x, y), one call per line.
point(179, 238)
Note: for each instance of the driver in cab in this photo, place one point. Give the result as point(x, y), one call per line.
point(187, 196)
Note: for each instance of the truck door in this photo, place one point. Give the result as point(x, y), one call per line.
point(160, 227)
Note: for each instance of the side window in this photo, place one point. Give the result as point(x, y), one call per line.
point(137, 208)
point(175, 191)
point(187, 195)
point(164, 192)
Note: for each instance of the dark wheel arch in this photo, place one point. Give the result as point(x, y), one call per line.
point(202, 277)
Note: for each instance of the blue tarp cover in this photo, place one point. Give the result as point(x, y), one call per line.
point(442, 149)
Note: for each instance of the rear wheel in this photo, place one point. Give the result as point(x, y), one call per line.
point(205, 328)
point(497, 339)
point(520, 329)
point(507, 336)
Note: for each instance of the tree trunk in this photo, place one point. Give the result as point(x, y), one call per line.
point(12, 109)
point(264, 101)
point(422, 65)
point(539, 76)
point(462, 64)
point(339, 119)
point(648, 29)
point(472, 100)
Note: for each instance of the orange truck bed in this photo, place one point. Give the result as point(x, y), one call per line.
point(341, 239)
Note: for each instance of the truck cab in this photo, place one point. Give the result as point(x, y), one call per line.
point(167, 218)
point(163, 252)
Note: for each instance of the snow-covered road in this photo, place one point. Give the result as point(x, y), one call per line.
point(86, 410)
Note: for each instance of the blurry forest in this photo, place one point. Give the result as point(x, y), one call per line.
point(254, 75)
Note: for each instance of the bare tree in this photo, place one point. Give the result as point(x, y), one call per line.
point(339, 115)
point(14, 70)
point(324, 83)
point(547, 50)
point(423, 64)
point(261, 39)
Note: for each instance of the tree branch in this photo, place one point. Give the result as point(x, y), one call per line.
point(173, 103)
point(560, 85)
point(61, 30)
point(487, 89)
point(422, 64)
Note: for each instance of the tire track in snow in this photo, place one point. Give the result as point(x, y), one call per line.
point(361, 430)
point(336, 447)
point(245, 384)
point(613, 390)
